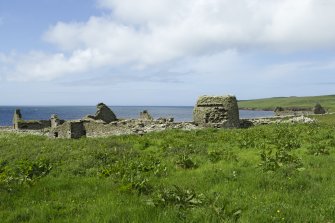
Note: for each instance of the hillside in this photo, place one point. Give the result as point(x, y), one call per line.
point(327, 101)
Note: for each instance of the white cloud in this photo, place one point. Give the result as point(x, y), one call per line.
point(144, 33)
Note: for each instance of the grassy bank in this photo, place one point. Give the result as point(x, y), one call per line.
point(327, 102)
point(275, 173)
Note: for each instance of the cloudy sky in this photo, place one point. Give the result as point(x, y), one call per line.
point(163, 52)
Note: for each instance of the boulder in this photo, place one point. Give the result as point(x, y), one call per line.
point(216, 111)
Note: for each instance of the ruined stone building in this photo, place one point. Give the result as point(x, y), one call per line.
point(210, 111)
point(20, 124)
point(316, 110)
point(217, 111)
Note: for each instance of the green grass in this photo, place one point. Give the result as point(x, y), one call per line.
point(274, 173)
point(328, 119)
point(327, 102)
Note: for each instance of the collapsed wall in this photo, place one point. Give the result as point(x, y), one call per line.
point(210, 111)
point(69, 130)
point(103, 113)
point(17, 117)
point(20, 124)
point(318, 109)
point(216, 111)
point(89, 125)
point(298, 111)
point(144, 115)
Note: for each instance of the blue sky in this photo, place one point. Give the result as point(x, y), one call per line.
point(163, 52)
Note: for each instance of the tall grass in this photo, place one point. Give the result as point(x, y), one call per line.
point(275, 173)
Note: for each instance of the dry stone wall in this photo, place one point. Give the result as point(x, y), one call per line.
point(20, 124)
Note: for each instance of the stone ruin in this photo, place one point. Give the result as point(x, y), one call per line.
point(17, 117)
point(79, 128)
point(104, 113)
point(217, 111)
point(105, 122)
point(20, 124)
point(69, 130)
point(298, 111)
point(318, 109)
point(145, 116)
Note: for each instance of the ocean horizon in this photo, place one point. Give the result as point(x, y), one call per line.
point(179, 113)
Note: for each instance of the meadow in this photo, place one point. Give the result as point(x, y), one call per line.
point(327, 101)
point(273, 173)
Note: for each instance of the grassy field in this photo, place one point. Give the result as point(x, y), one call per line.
point(274, 173)
point(327, 102)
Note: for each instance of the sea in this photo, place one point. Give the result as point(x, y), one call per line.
point(179, 113)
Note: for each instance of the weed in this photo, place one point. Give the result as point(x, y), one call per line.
point(318, 149)
point(22, 172)
point(272, 162)
point(178, 197)
point(221, 154)
point(185, 162)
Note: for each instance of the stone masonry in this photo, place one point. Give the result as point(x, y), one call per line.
point(104, 113)
point(216, 111)
point(20, 124)
point(17, 117)
point(69, 130)
point(145, 116)
point(318, 109)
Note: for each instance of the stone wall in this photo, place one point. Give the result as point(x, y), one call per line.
point(297, 111)
point(318, 109)
point(16, 118)
point(69, 130)
point(216, 111)
point(20, 124)
point(144, 115)
point(32, 124)
point(55, 121)
point(103, 113)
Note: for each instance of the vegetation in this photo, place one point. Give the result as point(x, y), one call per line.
point(328, 102)
point(274, 173)
point(328, 119)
